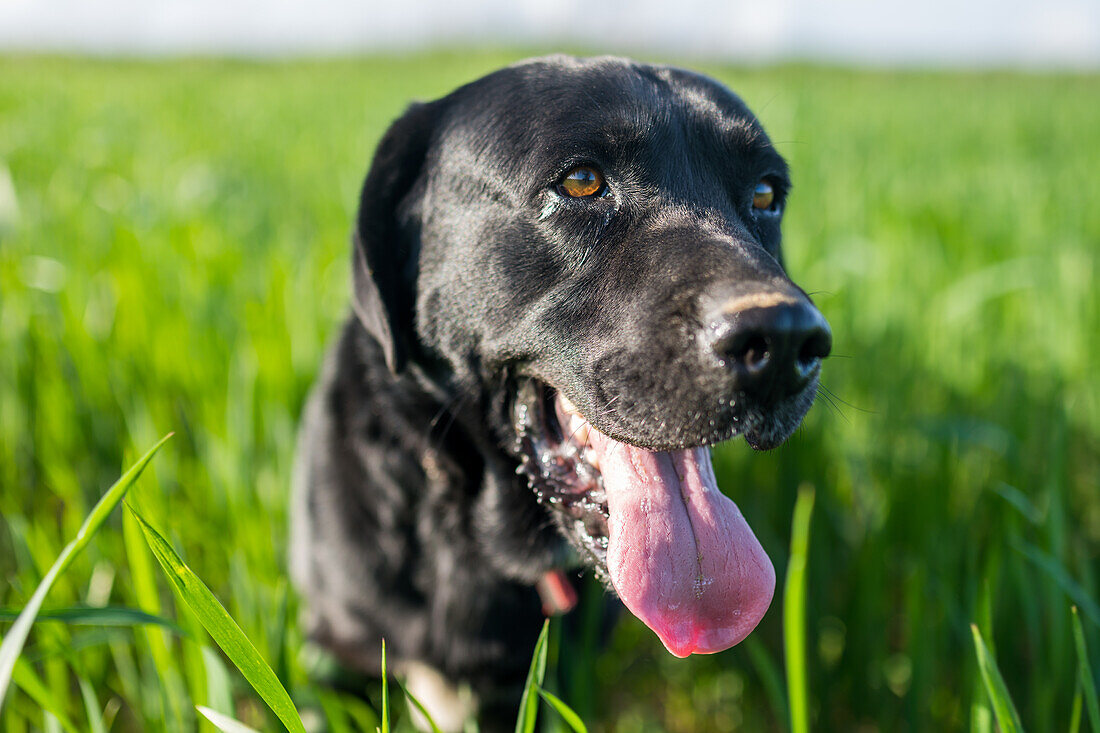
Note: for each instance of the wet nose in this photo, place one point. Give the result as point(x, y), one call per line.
point(771, 343)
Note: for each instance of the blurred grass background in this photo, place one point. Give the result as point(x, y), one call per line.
point(173, 256)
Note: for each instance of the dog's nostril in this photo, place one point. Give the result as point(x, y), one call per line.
point(753, 353)
point(816, 346)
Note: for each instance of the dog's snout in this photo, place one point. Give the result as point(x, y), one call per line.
point(771, 343)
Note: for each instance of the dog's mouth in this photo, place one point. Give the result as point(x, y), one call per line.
point(562, 468)
point(653, 523)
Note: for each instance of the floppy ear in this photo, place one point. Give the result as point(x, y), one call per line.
point(385, 250)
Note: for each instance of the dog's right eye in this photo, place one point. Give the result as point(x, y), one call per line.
point(582, 182)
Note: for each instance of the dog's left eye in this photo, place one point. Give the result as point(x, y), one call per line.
point(763, 197)
point(582, 182)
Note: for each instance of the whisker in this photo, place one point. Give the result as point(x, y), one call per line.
point(452, 408)
point(607, 409)
point(442, 409)
point(829, 401)
point(577, 429)
point(843, 401)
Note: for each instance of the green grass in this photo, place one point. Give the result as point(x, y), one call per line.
point(1008, 720)
point(794, 613)
point(176, 259)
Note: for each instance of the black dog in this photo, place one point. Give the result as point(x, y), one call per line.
point(567, 283)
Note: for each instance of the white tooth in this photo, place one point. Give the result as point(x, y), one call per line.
point(592, 458)
point(566, 404)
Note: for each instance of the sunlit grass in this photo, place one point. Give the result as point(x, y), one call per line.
point(175, 258)
point(794, 614)
point(1008, 720)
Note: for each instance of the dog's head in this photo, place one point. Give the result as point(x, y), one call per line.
point(596, 243)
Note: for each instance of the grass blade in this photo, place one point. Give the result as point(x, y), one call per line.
point(336, 718)
point(794, 612)
point(99, 616)
point(17, 634)
point(420, 707)
point(1061, 576)
point(1075, 709)
point(219, 688)
point(385, 693)
point(1019, 501)
point(223, 722)
point(222, 628)
point(172, 696)
point(1003, 709)
point(571, 718)
point(361, 713)
point(91, 707)
point(768, 672)
point(529, 703)
point(36, 690)
point(1084, 673)
point(50, 724)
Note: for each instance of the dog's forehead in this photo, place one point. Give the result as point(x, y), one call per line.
point(560, 104)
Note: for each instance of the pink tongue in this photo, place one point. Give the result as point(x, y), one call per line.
point(681, 556)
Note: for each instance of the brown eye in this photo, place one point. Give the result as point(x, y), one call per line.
point(763, 196)
point(582, 182)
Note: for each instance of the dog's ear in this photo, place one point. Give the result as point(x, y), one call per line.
point(385, 250)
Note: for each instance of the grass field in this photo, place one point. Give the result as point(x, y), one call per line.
point(173, 257)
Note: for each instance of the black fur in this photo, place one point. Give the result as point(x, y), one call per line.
point(473, 272)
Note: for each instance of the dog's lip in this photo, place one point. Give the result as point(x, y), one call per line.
point(622, 434)
point(569, 408)
point(758, 442)
point(754, 427)
point(738, 426)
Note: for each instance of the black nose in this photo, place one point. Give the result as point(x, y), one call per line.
point(771, 343)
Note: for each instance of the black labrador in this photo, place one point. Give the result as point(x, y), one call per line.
point(567, 284)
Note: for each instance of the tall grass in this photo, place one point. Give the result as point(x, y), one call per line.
point(794, 613)
point(174, 257)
